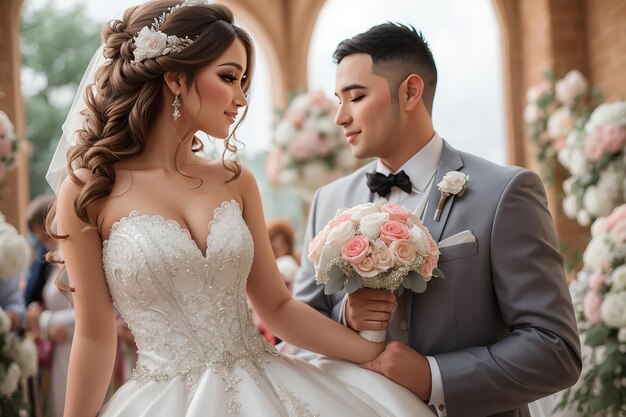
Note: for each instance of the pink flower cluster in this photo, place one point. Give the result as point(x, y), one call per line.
point(607, 245)
point(605, 139)
point(374, 238)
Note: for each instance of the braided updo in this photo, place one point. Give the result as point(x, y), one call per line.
point(125, 98)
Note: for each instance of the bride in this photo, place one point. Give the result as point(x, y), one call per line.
point(175, 242)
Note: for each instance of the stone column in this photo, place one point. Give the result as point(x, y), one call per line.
point(15, 193)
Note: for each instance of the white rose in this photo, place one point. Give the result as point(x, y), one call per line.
point(597, 254)
point(345, 159)
point(300, 102)
point(596, 203)
point(339, 235)
point(570, 206)
point(618, 278)
point(613, 309)
point(610, 183)
point(621, 336)
point(578, 164)
point(532, 113)
point(560, 123)
point(5, 322)
point(570, 87)
point(149, 44)
point(328, 254)
point(15, 252)
point(534, 93)
point(362, 210)
point(370, 224)
point(598, 228)
point(26, 357)
point(583, 218)
point(284, 133)
point(315, 173)
point(453, 182)
point(288, 176)
point(420, 240)
point(9, 379)
point(607, 113)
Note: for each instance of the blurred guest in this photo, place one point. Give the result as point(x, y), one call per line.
point(281, 236)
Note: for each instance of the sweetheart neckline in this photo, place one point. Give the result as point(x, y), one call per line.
point(134, 214)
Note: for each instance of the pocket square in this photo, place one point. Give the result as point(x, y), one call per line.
point(465, 236)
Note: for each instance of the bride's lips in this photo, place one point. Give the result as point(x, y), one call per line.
point(231, 116)
point(351, 135)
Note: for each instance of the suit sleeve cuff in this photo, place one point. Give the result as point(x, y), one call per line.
point(437, 400)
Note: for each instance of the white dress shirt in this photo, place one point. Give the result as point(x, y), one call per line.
point(421, 169)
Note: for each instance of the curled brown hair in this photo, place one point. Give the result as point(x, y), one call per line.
point(126, 97)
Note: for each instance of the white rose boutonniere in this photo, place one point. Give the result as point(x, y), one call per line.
point(453, 183)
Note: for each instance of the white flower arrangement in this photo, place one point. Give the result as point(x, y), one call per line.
point(15, 253)
point(599, 294)
point(554, 108)
point(9, 145)
point(18, 361)
point(309, 149)
point(594, 156)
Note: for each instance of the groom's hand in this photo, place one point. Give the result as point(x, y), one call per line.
point(404, 366)
point(368, 309)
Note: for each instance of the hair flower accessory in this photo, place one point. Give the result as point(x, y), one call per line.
point(150, 42)
point(453, 183)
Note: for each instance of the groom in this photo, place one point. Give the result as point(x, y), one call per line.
point(499, 331)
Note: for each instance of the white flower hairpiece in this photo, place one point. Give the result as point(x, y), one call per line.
point(150, 42)
point(453, 183)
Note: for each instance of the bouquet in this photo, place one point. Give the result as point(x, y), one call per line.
point(18, 361)
point(309, 149)
point(599, 294)
point(374, 245)
point(594, 157)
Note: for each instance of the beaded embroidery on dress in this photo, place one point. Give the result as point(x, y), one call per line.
point(199, 353)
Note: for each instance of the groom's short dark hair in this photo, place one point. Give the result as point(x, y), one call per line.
point(400, 45)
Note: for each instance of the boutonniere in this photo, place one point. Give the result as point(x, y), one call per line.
point(453, 183)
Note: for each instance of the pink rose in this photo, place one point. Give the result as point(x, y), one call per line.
point(594, 146)
point(5, 147)
point(597, 280)
point(338, 219)
point(614, 138)
point(366, 268)
point(394, 230)
point(381, 255)
point(618, 232)
point(591, 307)
point(296, 117)
point(402, 251)
point(427, 269)
point(355, 249)
point(302, 146)
point(617, 216)
point(316, 246)
point(396, 212)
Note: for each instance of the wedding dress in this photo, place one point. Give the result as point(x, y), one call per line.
point(199, 354)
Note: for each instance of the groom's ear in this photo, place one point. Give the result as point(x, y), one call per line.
point(173, 81)
point(411, 91)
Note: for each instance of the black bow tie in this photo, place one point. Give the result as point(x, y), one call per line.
point(381, 183)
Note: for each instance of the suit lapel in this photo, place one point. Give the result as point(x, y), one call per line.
point(450, 161)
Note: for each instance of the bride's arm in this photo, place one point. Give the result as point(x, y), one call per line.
point(287, 318)
point(93, 346)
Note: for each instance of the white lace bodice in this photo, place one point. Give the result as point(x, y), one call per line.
point(187, 310)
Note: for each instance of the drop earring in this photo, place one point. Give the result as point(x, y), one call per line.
point(176, 105)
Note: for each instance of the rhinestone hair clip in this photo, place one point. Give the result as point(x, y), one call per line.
point(150, 42)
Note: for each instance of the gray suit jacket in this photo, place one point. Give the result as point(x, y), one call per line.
point(501, 324)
